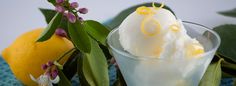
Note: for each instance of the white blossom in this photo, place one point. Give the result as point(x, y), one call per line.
point(45, 80)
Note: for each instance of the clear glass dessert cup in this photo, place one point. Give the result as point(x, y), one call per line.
point(149, 71)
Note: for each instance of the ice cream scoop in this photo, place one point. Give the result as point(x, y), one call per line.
point(155, 31)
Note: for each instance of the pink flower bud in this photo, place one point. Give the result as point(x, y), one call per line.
point(80, 18)
point(50, 63)
point(74, 4)
point(44, 66)
point(83, 10)
point(54, 73)
point(61, 32)
point(60, 9)
point(71, 17)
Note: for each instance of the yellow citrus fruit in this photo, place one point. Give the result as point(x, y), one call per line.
point(25, 56)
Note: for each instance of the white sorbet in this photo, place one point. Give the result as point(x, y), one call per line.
point(163, 41)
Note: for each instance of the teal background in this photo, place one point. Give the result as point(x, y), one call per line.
point(6, 76)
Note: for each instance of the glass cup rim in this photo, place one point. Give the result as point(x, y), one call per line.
point(123, 52)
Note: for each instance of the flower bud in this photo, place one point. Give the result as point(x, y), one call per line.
point(54, 73)
point(71, 17)
point(60, 9)
point(74, 4)
point(80, 19)
point(44, 66)
point(61, 32)
point(50, 63)
point(83, 10)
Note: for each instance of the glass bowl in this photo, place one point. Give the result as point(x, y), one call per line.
point(146, 71)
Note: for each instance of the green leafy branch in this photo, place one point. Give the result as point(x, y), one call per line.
point(86, 36)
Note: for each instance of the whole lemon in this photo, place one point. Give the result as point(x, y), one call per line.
point(25, 56)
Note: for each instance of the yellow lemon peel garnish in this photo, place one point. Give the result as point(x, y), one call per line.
point(143, 10)
point(157, 28)
point(154, 6)
point(195, 49)
point(174, 27)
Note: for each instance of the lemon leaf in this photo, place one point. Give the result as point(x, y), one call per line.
point(79, 37)
point(96, 30)
point(95, 66)
point(228, 69)
point(69, 68)
point(63, 80)
point(230, 74)
point(228, 40)
point(50, 29)
point(116, 21)
point(87, 72)
point(82, 80)
point(52, 1)
point(229, 13)
point(48, 14)
point(212, 75)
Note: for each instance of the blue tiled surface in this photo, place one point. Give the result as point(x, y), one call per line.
point(227, 82)
point(6, 76)
point(8, 79)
